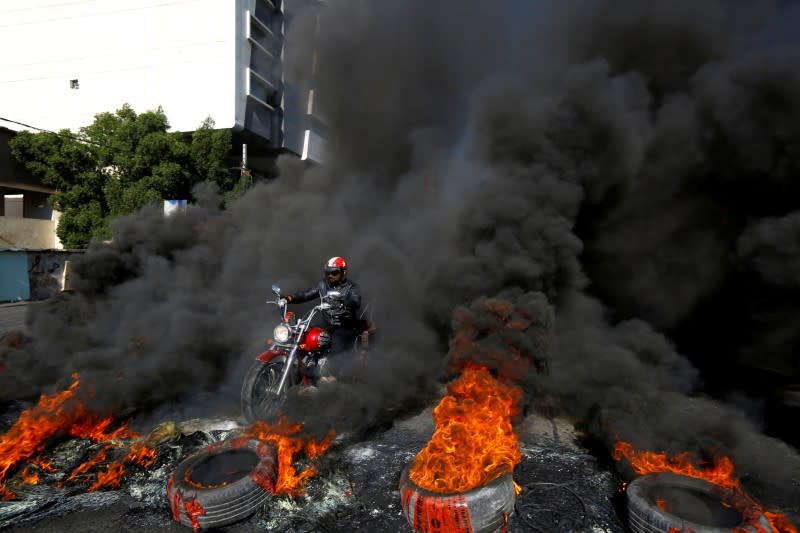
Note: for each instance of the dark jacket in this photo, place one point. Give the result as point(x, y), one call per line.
point(344, 309)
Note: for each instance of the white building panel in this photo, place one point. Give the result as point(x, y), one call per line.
point(177, 54)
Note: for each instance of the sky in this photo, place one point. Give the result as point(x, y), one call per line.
point(602, 194)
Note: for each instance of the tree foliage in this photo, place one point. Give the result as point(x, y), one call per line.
point(119, 163)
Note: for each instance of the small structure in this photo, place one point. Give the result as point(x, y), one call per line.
point(174, 206)
point(33, 274)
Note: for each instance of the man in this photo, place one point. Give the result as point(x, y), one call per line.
point(341, 320)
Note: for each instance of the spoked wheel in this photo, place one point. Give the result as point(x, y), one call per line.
point(259, 400)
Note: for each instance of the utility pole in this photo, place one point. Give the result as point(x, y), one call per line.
point(245, 172)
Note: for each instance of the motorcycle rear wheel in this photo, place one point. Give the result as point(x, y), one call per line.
point(259, 401)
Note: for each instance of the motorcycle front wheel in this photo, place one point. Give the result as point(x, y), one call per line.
point(259, 400)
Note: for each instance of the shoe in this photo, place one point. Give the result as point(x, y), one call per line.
point(308, 390)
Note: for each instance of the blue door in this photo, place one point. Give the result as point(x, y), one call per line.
point(14, 276)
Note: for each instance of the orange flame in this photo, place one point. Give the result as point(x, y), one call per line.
point(111, 478)
point(284, 436)
point(780, 523)
point(86, 466)
point(43, 465)
point(90, 426)
point(720, 472)
point(474, 442)
point(139, 453)
point(59, 415)
point(29, 435)
point(30, 477)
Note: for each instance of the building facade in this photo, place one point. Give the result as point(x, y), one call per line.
point(64, 62)
point(26, 218)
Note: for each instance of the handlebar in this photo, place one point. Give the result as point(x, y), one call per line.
point(282, 309)
point(319, 307)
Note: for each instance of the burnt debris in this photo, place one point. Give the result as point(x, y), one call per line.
point(564, 488)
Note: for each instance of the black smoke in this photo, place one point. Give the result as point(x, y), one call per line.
point(625, 173)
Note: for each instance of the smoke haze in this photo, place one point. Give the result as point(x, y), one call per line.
point(618, 176)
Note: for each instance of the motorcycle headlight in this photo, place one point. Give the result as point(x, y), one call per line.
point(281, 333)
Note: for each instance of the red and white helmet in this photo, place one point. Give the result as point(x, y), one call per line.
point(335, 264)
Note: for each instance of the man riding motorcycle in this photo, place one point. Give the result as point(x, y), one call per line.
point(341, 319)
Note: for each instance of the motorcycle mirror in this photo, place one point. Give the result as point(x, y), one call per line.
point(276, 290)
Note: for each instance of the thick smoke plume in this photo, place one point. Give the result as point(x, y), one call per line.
point(619, 178)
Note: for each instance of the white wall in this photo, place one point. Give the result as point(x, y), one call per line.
point(178, 54)
point(17, 232)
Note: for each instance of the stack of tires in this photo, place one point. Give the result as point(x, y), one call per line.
point(222, 483)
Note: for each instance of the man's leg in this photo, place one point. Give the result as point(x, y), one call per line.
point(342, 339)
point(336, 358)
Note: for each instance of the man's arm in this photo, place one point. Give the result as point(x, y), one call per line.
point(353, 298)
point(303, 296)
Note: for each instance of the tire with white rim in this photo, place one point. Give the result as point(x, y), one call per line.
point(222, 483)
point(484, 509)
point(664, 503)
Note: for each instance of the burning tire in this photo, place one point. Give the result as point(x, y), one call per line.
point(483, 509)
point(661, 503)
point(258, 400)
point(222, 483)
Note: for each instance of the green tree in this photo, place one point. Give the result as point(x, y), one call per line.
point(119, 163)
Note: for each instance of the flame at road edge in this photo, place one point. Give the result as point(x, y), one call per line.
point(58, 415)
point(719, 472)
point(285, 437)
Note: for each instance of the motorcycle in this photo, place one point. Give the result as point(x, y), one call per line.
point(295, 357)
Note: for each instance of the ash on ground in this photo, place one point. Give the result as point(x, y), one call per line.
point(356, 489)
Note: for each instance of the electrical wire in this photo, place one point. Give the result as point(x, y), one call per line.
point(69, 136)
point(86, 15)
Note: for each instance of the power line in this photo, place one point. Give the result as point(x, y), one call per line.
point(115, 54)
point(71, 136)
point(147, 66)
point(85, 15)
point(46, 6)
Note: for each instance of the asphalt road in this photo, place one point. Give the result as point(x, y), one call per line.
point(12, 316)
point(355, 491)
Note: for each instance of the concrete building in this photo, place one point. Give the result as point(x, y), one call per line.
point(26, 218)
point(63, 62)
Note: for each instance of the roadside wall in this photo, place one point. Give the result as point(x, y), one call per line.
point(33, 233)
point(32, 274)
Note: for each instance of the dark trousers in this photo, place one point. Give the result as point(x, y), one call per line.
point(342, 339)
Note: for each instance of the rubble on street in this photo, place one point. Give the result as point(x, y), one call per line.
point(564, 487)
